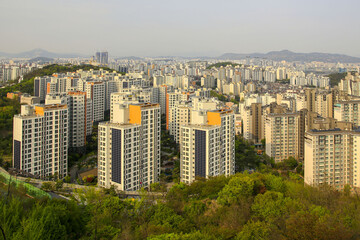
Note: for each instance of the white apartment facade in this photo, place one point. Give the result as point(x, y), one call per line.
point(96, 92)
point(129, 147)
point(207, 145)
point(40, 140)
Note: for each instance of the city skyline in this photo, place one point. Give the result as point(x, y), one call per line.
point(180, 29)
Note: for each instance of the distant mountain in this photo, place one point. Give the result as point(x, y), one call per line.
point(41, 59)
point(39, 53)
point(294, 57)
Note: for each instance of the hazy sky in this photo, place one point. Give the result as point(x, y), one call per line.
point(180, 27)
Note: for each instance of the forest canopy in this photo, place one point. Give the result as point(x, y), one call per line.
point(243, 206)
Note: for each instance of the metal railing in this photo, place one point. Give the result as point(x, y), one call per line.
point(30, 189)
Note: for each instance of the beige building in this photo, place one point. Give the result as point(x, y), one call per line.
point(324, 105)
point(321, 102)
point(238, 124)
point(310, 98)
point(29, 100)
point(283, 135)
point(351, 84)
point(332, 157)
point(348, 111)
point(253, 123)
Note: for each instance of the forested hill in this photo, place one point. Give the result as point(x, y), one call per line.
point(27, 85)
point(335, 78)
point(244, 206)
point(223, 64)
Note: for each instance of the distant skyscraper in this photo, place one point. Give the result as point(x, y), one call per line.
point(102, 57)
point(105, 58)
point(98, 57)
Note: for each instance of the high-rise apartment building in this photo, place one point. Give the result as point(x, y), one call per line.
point(324, 104)
point(80, 115)
point(180, 112)
point(253, 123)
point(283, 135)
point(332, 157)
point(207, 145)
point(129, 147)
point(110, 87)
point(351, 84)
point(172, 99)
point(40, 140)
point(163, 90)
point(310, 99)
point(41, 86)
point(80, 119)
point(179, 115)
point(321, 102)
point(208, 81)
point(119, 98)
point(200, 152)
point(96, 92)
point(348, 111)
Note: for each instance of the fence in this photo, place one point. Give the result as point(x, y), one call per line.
point(30, 189)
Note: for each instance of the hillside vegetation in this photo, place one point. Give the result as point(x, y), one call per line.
point(27, 85)
point(223, 64)
point(335, 78)
point(244, 206)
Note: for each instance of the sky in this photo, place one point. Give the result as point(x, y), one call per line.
point(180, 27)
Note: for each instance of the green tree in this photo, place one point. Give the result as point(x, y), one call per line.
point(59, 185)
point(47, 186)
point(269, 206)
point(67, 179)
point(335, 78)
point(44, 222)
point(255, 231)
point(223, 64)
point(188, 236)
point(275, 183)
point(238, 187)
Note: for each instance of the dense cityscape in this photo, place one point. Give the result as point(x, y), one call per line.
point(179, 120)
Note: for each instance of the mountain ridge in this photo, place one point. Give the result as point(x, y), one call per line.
point(38, 52)
point(294, 57)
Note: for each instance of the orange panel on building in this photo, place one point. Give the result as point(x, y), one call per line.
point(214, 118)
point(48, 88)
point(135, 114)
